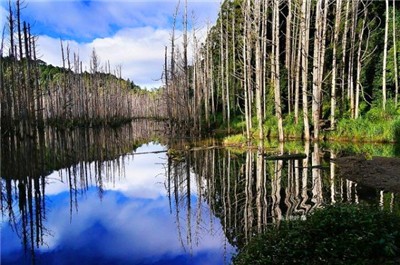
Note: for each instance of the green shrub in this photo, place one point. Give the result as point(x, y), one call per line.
point(337, 234)
point(271, 126)
point(396, 130)
point(365, 130)
point(291, 129)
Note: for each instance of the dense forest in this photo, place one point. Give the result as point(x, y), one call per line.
point(307, 69)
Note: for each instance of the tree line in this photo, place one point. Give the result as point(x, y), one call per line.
point(34, 94)
point(280, 62)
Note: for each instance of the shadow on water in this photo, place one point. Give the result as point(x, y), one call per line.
point(246, 190)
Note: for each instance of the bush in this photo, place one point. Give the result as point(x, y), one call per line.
point(396, 130)
point(338, 234)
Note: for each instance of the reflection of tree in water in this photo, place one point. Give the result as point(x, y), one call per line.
point(189, 193)
point(83, 157)
point(251, 190)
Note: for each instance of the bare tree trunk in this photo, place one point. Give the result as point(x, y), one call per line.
point(344, 51)
point(258, 70)
point(228, 107)
point(185, 64)
point(264, 33)
point(246, 68)
point(19, 28)
point(350, 84)
point(317, 67)
point(297, 69)
point(334, 64)
point(288, 48)
point(208, 82)
point(222, 68)
point(173, 85)
point(11, 98)
point(234, 80)
point(167, 92)
point(305, 28)
point(359, 61)
point(276, 82)
point(396, 73)
point(385, 55)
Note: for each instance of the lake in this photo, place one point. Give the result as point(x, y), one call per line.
point(134, 195)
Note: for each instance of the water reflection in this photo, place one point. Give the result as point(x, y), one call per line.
point(85, 157)
point(131, 224)
point(250, 190)
point(102, 196)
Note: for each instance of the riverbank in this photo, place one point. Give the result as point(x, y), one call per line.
point(373, 127)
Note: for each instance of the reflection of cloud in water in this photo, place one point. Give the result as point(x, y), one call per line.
point(142, 176)
point(120, 228)
point(131, 224)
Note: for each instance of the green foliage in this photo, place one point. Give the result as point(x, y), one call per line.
point(390, 56)
point(337, 234)
point(376, 125)
point(229, 30)
point(293, 130)
point(396, 130)
point(271, 126)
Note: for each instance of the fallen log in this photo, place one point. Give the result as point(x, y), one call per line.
point(150, 152)
point(285, 157)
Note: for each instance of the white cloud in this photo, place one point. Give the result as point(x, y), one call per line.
point(138, 228)
point(84, 21)
point(127, 33)
point(49, 49)
point(140, 52)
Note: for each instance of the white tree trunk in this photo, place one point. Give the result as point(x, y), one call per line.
point(385, 55)
point(276, 82)
point(396, 73)
point(334, 66)
point(305, 28)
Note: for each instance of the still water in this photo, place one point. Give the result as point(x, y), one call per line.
point(130, 220)
point(135, 196)
point(101, 196)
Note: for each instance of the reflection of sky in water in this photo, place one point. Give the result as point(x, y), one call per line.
point(131, 224)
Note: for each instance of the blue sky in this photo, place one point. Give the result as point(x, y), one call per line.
point(128, 33)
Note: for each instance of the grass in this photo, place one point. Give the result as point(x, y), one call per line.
point(375, 125)
point(337, 234)
point(366, 130)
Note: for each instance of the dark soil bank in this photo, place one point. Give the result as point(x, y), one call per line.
point(378, 172)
